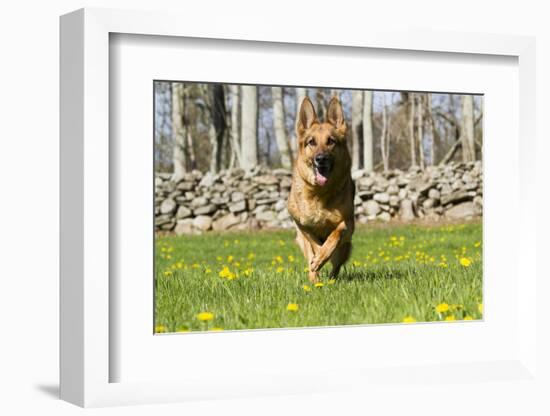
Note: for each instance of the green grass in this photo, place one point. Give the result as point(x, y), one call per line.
point(394, 272)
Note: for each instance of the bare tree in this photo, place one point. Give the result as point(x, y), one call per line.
point(467, 129)
point(420, 128)
point(368, 137)
point(433, 132)
point(384, 137)
point(214, 96)
point(279, 127)
point(235, 158)
point(411, 129)
point(179, 130)
point(249, 126)
point(320, 104)
point(356, 127)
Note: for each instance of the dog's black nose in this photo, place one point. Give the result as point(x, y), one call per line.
point(321, 159)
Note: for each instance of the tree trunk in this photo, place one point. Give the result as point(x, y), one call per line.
point(279, 127)
point(436, 141)
point(320, 105)
point(191, 151)
point(234, 92)
point(356, 127)
point(249, 126)
point(368, 137)
point(420, 129)
point(383, 137)
point(216, 130)
point(179, 129)
point(411, 129)
point(467, 130)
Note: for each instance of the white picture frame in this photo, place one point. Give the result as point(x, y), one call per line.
point(85, 216)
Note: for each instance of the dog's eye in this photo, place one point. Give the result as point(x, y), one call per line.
point(311, 142)
point(331, 141)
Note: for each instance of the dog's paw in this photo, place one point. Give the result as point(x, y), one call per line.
point(315, 264)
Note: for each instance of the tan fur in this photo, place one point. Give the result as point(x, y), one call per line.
point(323, 215)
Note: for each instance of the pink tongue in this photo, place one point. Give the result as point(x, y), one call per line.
point(321, 180)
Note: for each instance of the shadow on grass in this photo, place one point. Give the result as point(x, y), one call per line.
point(371, 275)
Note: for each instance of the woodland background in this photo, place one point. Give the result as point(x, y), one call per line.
point(213, 127)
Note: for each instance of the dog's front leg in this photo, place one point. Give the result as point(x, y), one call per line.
point(325, 252)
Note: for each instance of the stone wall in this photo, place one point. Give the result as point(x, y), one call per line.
point(239, 200)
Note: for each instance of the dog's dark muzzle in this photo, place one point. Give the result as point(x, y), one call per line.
point(323, 164)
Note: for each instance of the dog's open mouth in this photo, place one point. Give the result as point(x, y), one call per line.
point(322, 172)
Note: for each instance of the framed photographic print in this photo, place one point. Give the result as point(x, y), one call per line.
point(286, 221)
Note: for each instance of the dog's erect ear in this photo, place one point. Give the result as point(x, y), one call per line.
point(335, 114)
point(306, 116)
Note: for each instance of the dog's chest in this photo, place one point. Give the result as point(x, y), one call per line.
point(318, 219)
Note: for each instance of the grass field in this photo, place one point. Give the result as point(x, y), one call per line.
point(403, 273)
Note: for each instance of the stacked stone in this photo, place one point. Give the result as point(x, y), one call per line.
point(232, 199)
point(237, 200)
point(453, 191)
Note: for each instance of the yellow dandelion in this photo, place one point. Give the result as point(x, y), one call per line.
point(217, 328)
point(291, 259)
point(464, 261)
point(205, 316)
point(195, 265)
point(409, 319)
point(356, 263)
point(280, 269)
point(230, 258)
point(168, 273)
point(208, 270)
point(160, 329)
point(219, 258)
point(251, 256)
point(278, 259)
point(477, 244)
point(331, 281)
point(306, 288)
point(292, 307)
point(450, 318)
point(468, 318)
point(319, 284)
point(442, 307)
point(224, 272)
point(236, 241)
point(480, 307)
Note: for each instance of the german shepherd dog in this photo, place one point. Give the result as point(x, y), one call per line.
point(322, 192)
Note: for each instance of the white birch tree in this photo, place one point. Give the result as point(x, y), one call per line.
point(234, 133)
point(249, 126)
point(179, 130)
point(467, 129)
